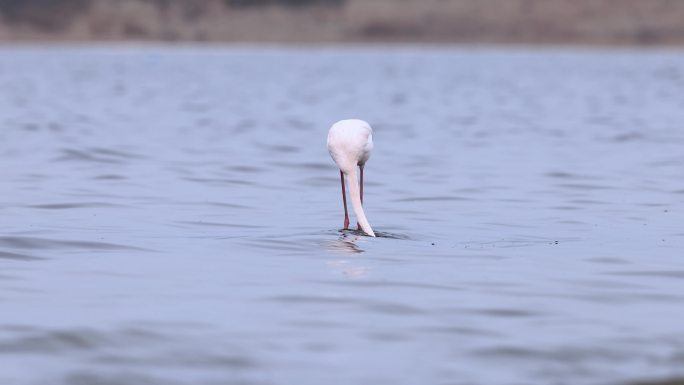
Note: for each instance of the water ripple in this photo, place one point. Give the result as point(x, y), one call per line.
point(19, 257)
point(16, 242)
point(73, 205)
point(673, 274)
point(96, 155)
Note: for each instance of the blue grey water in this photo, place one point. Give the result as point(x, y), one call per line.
point(171, 216)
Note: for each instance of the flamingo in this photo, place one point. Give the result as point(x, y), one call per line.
point(350, 143)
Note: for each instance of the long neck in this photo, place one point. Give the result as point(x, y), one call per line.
point(353, 184)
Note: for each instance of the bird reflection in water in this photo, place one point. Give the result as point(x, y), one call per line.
point(346, 243)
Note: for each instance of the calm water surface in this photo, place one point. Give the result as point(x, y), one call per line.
point(171, 216)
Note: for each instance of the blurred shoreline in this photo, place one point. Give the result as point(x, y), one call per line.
point(353, 22)
point(133, 45)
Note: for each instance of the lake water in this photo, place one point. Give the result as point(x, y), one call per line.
point(172, 216)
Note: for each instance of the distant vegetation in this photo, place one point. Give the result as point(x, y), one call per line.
point(625, 22)
point(54, 15)
point(48, 15)
point(287, 3)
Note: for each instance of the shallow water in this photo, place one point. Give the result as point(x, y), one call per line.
point(171, 216)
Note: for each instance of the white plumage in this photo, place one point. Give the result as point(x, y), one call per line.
point(350, 143)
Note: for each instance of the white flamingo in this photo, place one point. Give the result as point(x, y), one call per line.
point(350, 143)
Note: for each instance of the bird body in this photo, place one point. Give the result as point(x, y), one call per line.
point(350, 143)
